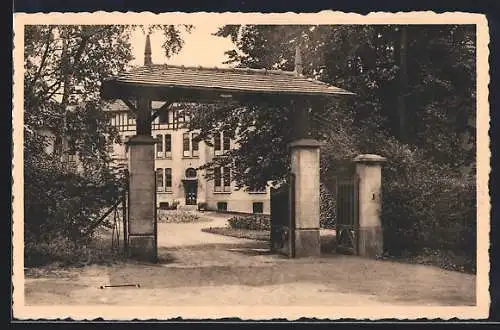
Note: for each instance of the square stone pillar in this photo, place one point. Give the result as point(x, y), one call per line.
point(142, 231)
point(370, 235)
point(305, 166)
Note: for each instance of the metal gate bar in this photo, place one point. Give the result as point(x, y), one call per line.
point(347, 215)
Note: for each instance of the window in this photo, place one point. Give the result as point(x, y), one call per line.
point(221, 206)
point(58, 145)
point(168, 179)
point(226, 142)
point(195, 143)
point(71, 151)
point(185, 144)
point(190, 173)
point(159, 146)
point(131, 121)
point(71, 148)
point(179, 117)
point(222, 179)
point(227, 179)
point(168, 145)
point(159, 179)
point(217, 145)
point(258, 207)
point(218, 179)
point(222, 143)
point(121, 121)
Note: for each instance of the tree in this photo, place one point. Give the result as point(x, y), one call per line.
point(64, 67)
point(415, 83)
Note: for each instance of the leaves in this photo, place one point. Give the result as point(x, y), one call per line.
point(64, 67)
point(364, 59)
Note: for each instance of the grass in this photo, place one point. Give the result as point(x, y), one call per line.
point(328, 242)
point(260, 235)
point(60, 253)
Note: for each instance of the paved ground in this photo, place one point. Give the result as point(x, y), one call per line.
point(199, 268)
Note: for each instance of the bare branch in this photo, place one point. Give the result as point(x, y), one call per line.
point(44, 57)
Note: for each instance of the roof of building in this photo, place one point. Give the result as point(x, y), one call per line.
point(230, 80)
point(119, 105)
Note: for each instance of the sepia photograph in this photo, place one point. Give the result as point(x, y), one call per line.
point(254, 166)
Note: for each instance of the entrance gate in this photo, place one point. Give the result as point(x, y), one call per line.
point(138, 87)
point(347, 214)
point(282, 218)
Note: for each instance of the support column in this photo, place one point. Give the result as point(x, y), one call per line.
point(142, 188)
point(305, 165)
point(370, 235)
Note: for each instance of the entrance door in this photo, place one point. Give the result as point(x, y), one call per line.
point(191, 189)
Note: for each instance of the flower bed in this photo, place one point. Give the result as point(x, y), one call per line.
point(251, 222)
point(176, 216)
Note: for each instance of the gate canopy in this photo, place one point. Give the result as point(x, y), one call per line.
point(199, 84)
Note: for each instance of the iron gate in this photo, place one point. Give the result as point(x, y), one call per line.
point(283, 218)
point(347, 225)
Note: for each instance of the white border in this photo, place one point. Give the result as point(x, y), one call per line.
point(256, 312)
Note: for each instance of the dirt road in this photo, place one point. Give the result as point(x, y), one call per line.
point(198, 268)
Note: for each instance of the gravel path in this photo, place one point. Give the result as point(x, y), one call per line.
point(198, 268)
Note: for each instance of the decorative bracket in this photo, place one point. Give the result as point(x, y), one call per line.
point(157, 112)
point(130, 105)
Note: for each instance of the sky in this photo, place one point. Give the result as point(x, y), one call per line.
point(200, 47)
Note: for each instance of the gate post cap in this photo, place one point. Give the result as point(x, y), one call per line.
point(141, 140)
point(369, 158)
point(304, 143)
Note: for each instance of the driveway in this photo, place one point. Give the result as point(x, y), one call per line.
point(199, 269)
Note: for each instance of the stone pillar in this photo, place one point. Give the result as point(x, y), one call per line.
point(305, 166)
point(370, 237)
point(142, 199)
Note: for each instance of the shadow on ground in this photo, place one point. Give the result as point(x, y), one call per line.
point(252, 265)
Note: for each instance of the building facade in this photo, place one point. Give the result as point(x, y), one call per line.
point(177, 159)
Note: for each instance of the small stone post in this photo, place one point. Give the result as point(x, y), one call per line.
point(305, 166)
point(370, 239)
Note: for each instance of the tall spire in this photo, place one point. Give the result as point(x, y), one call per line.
point(298, 61)
point(147, 52)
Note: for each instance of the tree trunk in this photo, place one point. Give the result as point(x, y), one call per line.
point(67, 69)
point(403, 82)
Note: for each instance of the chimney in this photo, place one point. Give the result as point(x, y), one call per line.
point(147, 52)
point(298, 61)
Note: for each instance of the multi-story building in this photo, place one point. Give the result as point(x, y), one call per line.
point(177, 159)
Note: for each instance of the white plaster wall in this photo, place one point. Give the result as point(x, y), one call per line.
point(238, 201)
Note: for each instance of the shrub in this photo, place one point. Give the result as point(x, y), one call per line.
point(251, 222)
point(327, 208)
point(426, 206)
point(60, 206)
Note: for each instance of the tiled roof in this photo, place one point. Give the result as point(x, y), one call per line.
point(229, 80)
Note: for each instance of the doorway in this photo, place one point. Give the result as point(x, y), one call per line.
point(191, 186)
point(191, 190)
